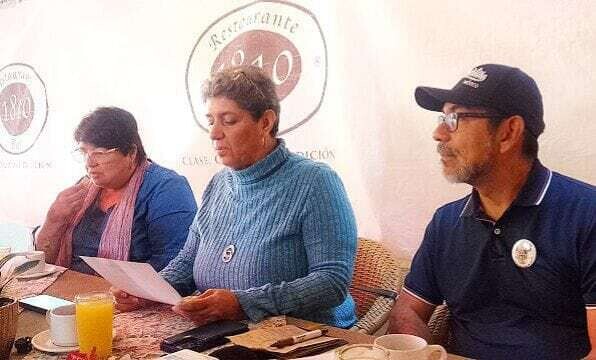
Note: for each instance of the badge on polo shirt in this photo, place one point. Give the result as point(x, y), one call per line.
point(523, 253)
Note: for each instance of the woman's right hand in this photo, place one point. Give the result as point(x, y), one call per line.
point(68, 202)
point(126, 302)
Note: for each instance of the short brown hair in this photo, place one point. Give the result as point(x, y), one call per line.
point(249, 87)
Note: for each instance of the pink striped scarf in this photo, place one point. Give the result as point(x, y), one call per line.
point(116, 237)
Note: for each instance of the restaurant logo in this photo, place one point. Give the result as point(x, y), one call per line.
point(283, 39)
point(23, 107)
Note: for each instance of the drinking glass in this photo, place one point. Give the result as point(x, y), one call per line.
point(94, 318)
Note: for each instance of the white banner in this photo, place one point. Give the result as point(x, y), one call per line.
point(345, 70)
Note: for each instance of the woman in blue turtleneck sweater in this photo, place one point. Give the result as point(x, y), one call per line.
point(275, 233)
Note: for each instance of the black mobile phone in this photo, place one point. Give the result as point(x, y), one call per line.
point(43, 303)
point(203, 337)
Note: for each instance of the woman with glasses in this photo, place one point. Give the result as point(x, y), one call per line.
point(275, 233)
point(125, 208)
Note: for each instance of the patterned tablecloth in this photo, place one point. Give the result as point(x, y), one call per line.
point(137, 334)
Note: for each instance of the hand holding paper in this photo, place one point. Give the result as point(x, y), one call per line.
point(213, 304)
point(138, 279)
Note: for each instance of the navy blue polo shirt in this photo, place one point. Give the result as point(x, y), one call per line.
point(500, 310)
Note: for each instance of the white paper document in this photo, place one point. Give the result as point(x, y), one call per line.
point(138, 279)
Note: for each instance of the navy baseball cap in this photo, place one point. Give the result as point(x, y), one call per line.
point(505, 89)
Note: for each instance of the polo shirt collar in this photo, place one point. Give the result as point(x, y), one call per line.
point(472, 207)
point(535, 187)
point(531, 194)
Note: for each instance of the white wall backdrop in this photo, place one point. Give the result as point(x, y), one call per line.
point(134, 54)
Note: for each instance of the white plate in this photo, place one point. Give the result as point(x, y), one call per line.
point(47, 270)
point(42, 342)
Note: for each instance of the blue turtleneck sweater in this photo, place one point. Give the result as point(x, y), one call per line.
point(281, 234)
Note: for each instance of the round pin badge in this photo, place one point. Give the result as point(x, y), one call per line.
point(523, 253)
point(228, 253)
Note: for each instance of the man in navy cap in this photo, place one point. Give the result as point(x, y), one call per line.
point(515, 260)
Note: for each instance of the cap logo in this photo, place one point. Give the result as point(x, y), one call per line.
point(477, 74)
point(474, 77)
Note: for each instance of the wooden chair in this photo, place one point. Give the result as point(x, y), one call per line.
point(377, 280)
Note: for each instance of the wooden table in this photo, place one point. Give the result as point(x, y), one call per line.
point(71, 283)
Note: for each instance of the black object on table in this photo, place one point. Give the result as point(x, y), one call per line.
point(236, 352)
point(203, 337)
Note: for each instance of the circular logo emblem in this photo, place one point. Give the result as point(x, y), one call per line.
point(23, 107)
point(523, 253)
point(283, 39)
point(228, 253)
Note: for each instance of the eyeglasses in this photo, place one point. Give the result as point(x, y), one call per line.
point(451, 120)
point(237, 75)
point(95, 156)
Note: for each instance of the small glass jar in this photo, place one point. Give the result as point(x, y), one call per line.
point(362, 352)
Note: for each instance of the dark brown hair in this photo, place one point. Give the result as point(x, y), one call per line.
point(111, 127)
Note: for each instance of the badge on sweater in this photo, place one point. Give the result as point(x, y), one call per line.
point(227, 254)
point(523, 253)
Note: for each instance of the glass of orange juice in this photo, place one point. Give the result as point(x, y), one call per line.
point(94, 318)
